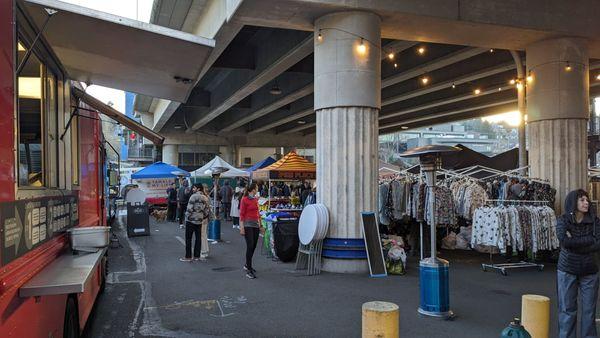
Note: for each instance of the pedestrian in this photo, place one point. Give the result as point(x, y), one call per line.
point(235, 206)
point(204, 231)
point(226, 196)
point(578, 231)
point(183, 196)
point(172, 203)
point(250, 226)
point(198, 212)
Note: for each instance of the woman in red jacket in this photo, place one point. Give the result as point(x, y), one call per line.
point(250, 226)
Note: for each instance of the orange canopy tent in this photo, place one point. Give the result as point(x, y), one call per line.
point(291, 167)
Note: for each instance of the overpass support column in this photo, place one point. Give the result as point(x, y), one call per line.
point(558, 112)
point(347, 103)
point(170, 154)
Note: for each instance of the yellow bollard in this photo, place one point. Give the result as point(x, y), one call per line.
point(535, 315)
point(380, 319)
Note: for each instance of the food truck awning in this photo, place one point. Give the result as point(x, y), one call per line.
point(114, 114)
point(112, 51)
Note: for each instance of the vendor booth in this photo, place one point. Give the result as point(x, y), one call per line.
point(155, 179)
point(217, 168)
point(280, 214)
point(220, 163)
point(260, 165)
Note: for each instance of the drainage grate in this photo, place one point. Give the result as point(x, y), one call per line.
point(224, 269)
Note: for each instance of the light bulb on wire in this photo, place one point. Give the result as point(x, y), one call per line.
point(320, 37)
point(512, 81)
point(598, 77)
point(391, 56)
point(453, 85)
point(477, 91)
point(568, 67)
point(395, 65)
point(361, 48)
point(421, 50)
point(424, 80)
point(529, 77)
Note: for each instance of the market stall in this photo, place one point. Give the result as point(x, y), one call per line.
point(260, 165)
point(280, 214)
point(217, 168)
point(155, 179)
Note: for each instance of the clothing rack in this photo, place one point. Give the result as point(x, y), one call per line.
point(503, 267)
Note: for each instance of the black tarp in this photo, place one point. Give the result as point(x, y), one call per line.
point(468, 157)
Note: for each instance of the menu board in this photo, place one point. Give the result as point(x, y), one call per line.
point(29, 223)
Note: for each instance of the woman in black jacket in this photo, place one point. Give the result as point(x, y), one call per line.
point(579, 235)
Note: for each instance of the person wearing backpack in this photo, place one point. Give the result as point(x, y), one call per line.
point(198, 213)
point(183, 196)
point(578, 231)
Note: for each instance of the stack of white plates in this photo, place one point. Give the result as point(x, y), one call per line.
point(314, 223)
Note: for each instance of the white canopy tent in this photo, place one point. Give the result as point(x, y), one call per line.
point(216, 163)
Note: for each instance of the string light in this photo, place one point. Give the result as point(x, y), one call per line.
point(421, 50)
point(320, 36)
point(519, 85)
point(568, 67)
point(391, 56)
point(424, 80)
point(491, 50)
point(512, 81)
point(529, 77)
point(598, 77)
point(453, 85)
point(499, 89)
point(477, 91)
point(361, 48)
point(395, 65)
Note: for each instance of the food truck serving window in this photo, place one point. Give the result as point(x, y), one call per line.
point(30, 116)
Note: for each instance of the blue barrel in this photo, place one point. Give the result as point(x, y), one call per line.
point(214, 230)
point(434, 285)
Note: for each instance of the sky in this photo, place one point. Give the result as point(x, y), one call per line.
point(512, 118)
point(132, 9)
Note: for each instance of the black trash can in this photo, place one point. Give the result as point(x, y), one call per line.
point(138, 220)
point(285, 236)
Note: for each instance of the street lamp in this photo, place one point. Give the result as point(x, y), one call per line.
point(214, 229)
point(433, 271)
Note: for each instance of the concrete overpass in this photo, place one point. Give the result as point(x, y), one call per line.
point(277, 62)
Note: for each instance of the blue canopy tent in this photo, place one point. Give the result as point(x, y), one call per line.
point(262, 164)
point(159, 170)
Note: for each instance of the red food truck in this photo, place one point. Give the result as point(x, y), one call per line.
point(52, 150)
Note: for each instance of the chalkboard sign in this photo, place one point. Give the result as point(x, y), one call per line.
point(373, 245)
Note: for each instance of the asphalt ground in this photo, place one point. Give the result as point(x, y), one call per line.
point(151, 293)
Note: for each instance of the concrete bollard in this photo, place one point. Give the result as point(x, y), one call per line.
point(535, 315)
point(380, 319)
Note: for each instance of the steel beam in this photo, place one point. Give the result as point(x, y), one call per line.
point(488, 91)
point(275, 69)
point(430, 66)
point(444, 85)
point(302, 92)
point(447, 113)
point(288, 119)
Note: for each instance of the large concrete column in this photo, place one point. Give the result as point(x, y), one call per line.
point(347, 103)
point(170, 154)
point(558, 111)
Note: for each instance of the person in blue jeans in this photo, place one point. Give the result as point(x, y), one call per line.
point(578, 231)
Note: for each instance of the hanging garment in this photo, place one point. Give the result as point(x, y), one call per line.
point(384, 190)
